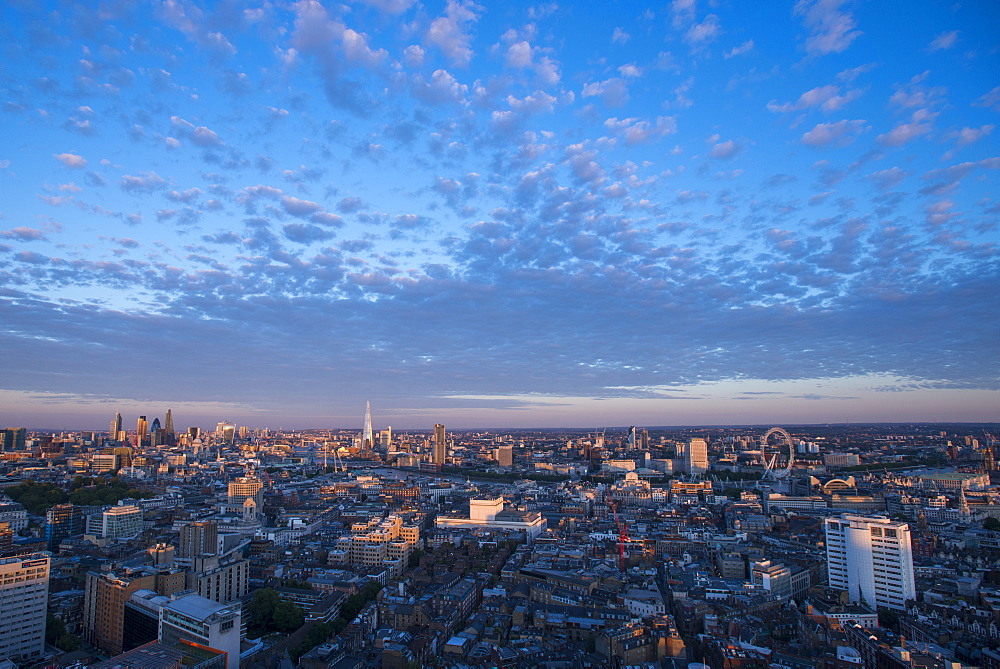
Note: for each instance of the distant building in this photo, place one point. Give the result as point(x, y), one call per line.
point(505, 456)
point(696, 456)
point(14, 439)
point(440, 444)
point(871, 558)
point(841, 459)
point(198, 538)
point(245, 487)
point(24, 594)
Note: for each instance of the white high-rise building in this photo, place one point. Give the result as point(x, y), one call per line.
point(24, 597)
point(696, 455)
point(871, 558)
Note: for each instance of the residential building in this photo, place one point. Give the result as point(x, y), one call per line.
point(871, 558)
point(24, 593)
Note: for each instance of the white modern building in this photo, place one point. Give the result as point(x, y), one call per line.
point(118, 522)
point(24, 596)
point(489, 513)
point(871, 558)
point(194, 618)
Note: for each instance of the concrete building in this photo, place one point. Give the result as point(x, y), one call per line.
point(440, 444)
point(774, 577)
point(106, 594)
point(118, 522)
point(220, 579)
point(489, 513)
point(696, 456)
point(24, 594)
point(196, 619)
point(198, 538)
point(245, 487)
point(871, 558)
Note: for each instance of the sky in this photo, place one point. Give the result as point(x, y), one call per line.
point(499, 214)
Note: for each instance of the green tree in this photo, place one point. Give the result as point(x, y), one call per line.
point(68, 642)
point(992, 524)
point(54, 628)
point(288, 617)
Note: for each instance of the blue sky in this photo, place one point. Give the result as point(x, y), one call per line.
point(578, 214)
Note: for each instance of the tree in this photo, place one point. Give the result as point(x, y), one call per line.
point(68, 642)
point(288, 617)
point(992, 524)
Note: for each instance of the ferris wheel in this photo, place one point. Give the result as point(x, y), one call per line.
point(778, 455)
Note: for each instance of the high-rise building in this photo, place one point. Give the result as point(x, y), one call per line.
point(367, 438)
point(168, 428)
point(61, 522)
point(24, 595)
point(505, 456)
point(226, 432)
point(871, 558)
point(696, 456)
point(141, 431)
point(115, 428)
point(440, 444)
point(385, 437)
point(106, 593)
point(14, 438)
point(199, 538)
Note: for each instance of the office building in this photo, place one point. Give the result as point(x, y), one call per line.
point(244, 487)
point(219, 578)
point(14, 515)
point(14, 438)
point(871, 558)
point(490, 513)
point(168, 428)
point(440, 444)
point(196, 619)
point(62, 521)
point(505, 456)
point(199, 538)
point(106, 594)
point(24, 595)
point(226, 432)
point(115, 428)
point(367, 438)
point(118, 522)
point(141, 431)
point(696, 456)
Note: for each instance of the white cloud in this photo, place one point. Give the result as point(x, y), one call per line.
point(827, 98)
point(726, 149)
point(840, 133)
point(619, 36)
point(830, 29)
point(448, 32)
point(920, 123)
point(746, 47)
point(71, 159)
point(944, 41)
point(704, 33)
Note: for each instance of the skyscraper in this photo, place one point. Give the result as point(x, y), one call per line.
point(168, 427)
point(696, 456)
point(141, 430)
point(115, 428)
point(367, 439)
point(14, 438)
point(440, 444)
point(199, 538)
point(871, 558)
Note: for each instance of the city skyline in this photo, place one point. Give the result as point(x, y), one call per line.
point(528, 215)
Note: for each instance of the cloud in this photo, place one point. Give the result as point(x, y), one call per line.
point(199, 135)
point(740, 49)
point(390, 6)
point(944, 41)
point(920, 124)
point(840, 133)
point(726, 149)
point(448, 32)
point(71, 160)
point(613, 92)
point(991, 99)
point(702, 34)
point(144, 182)
point(831, 30)
point(23, 234)
point(637, 131)
point(889, 178)
point(619, 36)
point(827, 98)
point(297, 207)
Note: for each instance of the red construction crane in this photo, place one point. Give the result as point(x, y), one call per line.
point(622, 534)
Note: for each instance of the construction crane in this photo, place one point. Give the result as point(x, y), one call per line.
point(622, 533)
